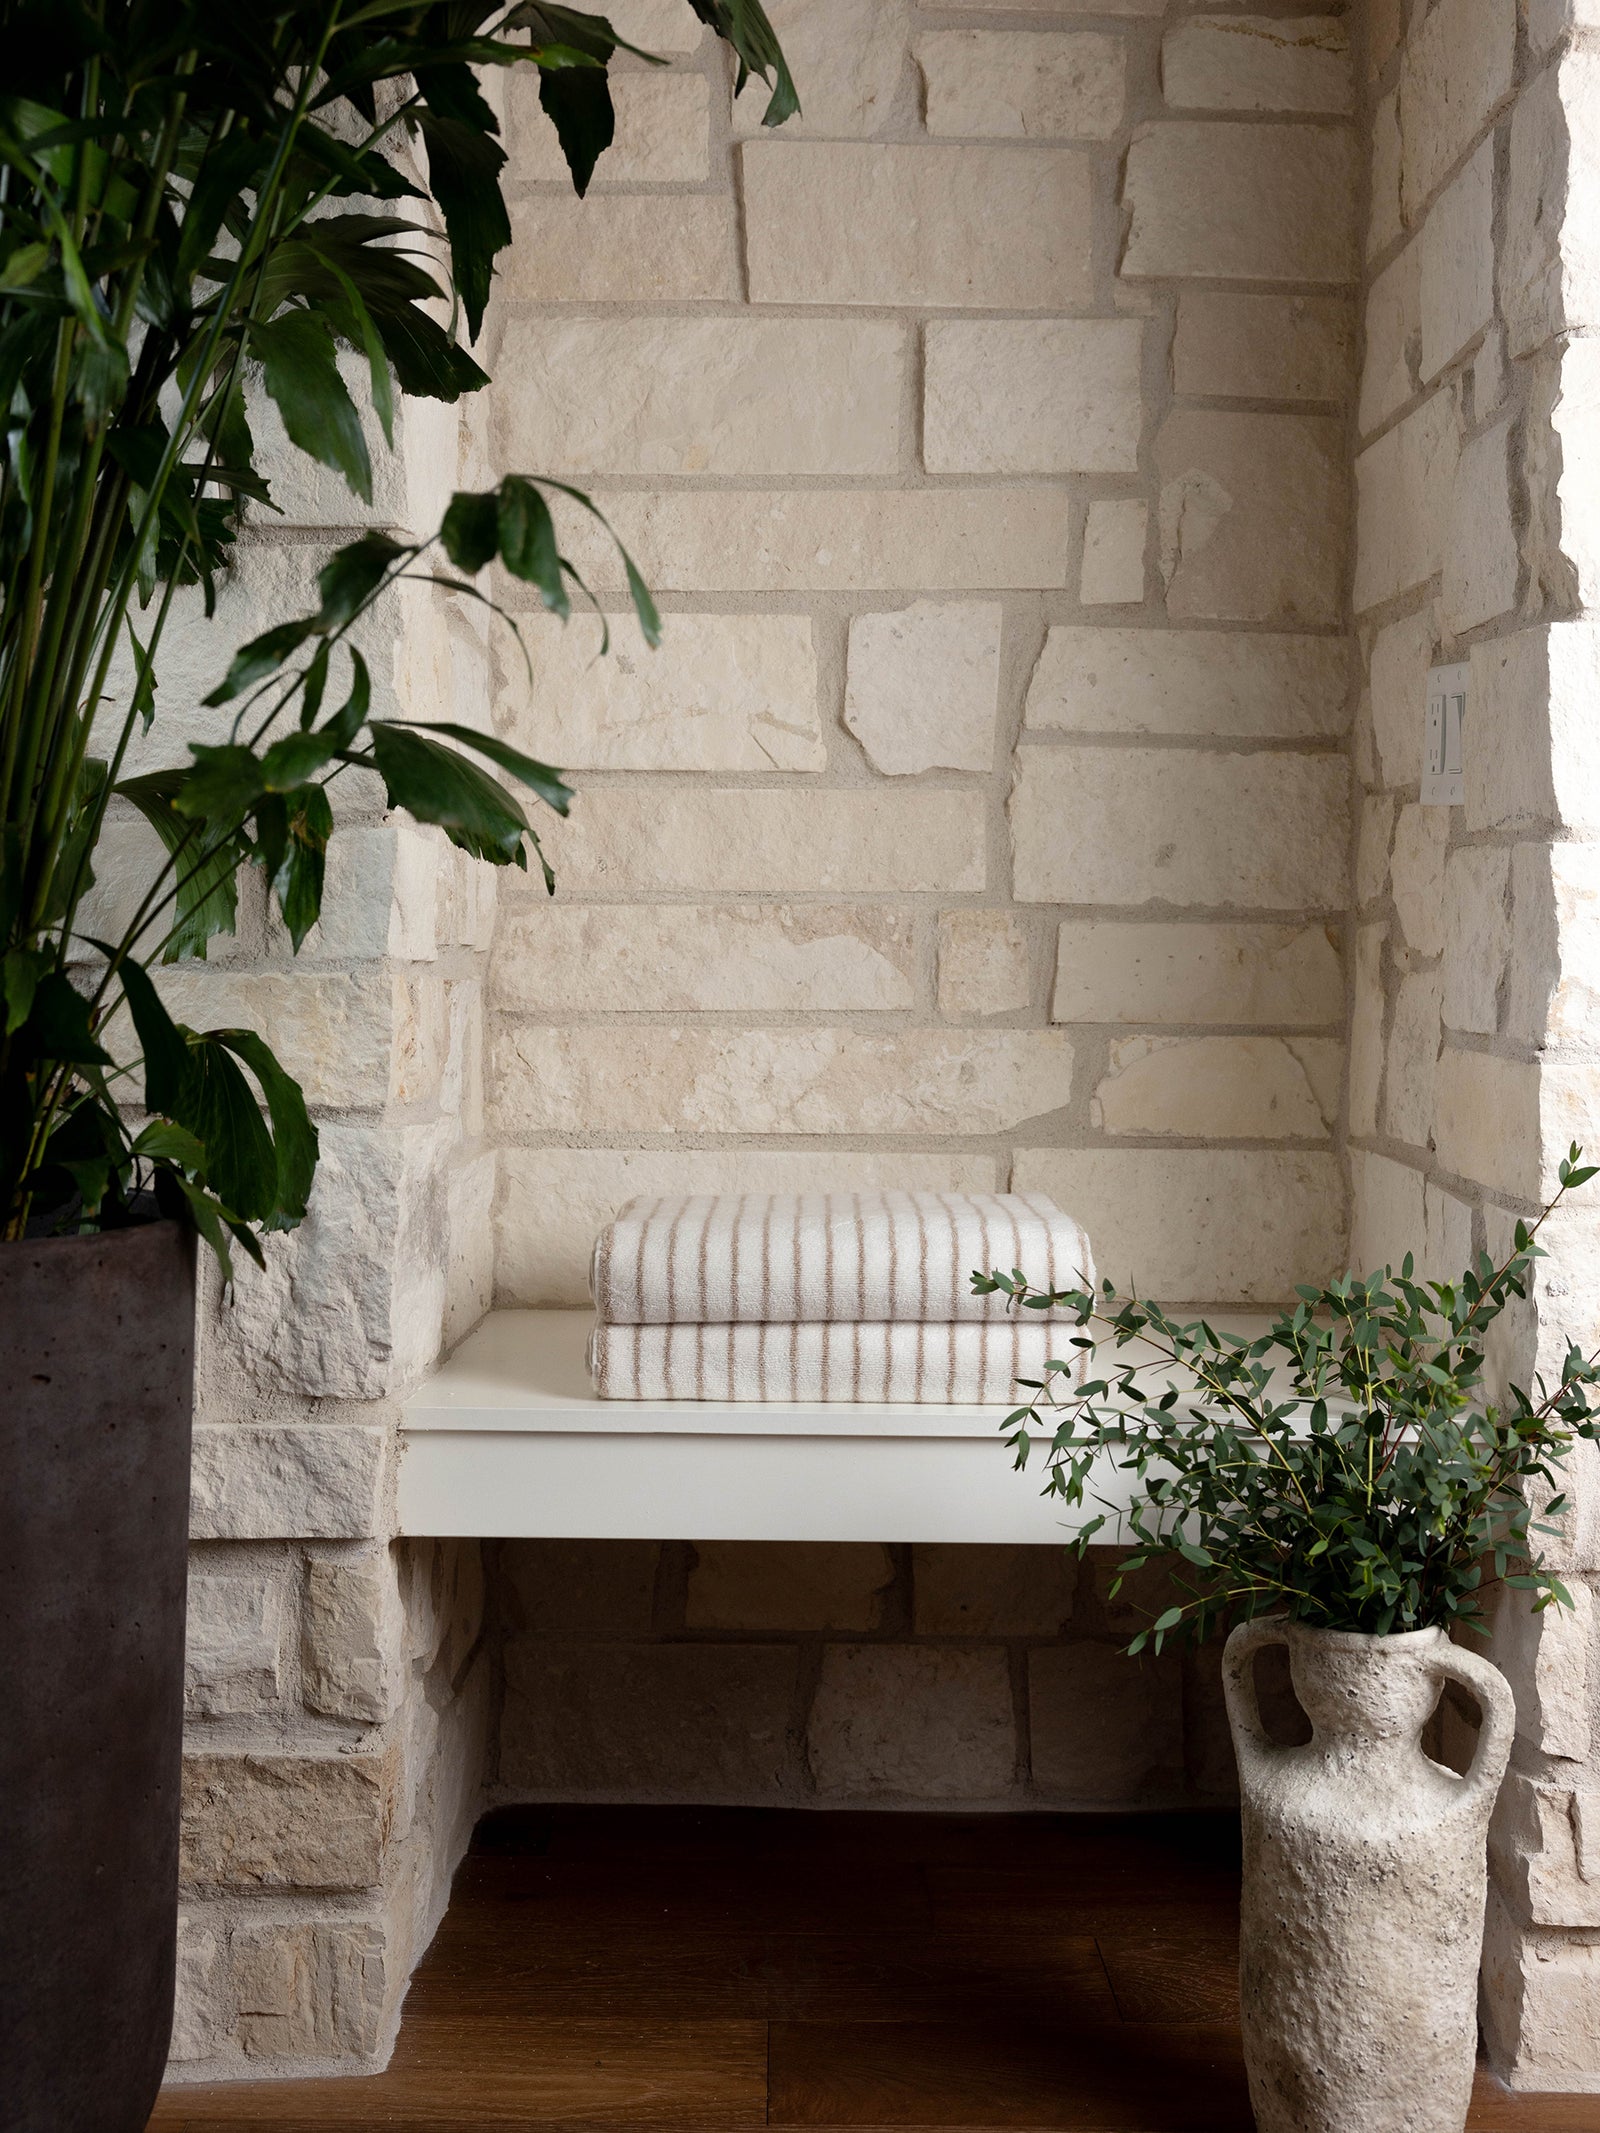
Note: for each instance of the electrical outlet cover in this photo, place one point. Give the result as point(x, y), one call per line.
point(1444, 781)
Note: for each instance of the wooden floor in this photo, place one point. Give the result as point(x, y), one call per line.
point(637, 1968)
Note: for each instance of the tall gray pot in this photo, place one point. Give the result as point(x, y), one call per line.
point(96, 1370)
point(1361, 1921)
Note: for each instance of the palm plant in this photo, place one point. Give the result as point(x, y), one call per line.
point(196, 203)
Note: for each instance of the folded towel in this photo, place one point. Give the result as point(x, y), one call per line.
point(949, 1365)
point(872, 1257)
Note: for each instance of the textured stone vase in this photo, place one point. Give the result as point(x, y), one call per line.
point(96, 1368)
point(1364, 1883)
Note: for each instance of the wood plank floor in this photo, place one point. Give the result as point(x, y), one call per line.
point(634, 1970)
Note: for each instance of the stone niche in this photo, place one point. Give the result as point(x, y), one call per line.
point(1027, 792)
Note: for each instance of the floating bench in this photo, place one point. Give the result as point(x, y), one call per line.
point(507, 1439)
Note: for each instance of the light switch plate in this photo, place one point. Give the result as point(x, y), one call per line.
point(1444, 781)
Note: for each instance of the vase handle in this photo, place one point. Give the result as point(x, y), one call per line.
point(1250, 1736)
point(1499, 1709)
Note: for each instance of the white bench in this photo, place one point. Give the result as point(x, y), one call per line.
point(507, 1439)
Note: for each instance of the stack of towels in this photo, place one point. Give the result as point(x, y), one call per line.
point(828, 1296)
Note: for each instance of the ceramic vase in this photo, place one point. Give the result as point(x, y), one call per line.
point(96, 1364)
point(1364, 1882)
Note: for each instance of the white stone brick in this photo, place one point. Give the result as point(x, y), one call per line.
point(922, 685)
point(651, 248)
point(1072, 7)
point(289, 1481)
point(1394, 313)
point(1384, 23)
point(1384, 219)
point(1253, 516)
point(1481, 560)
point(1199, 1225)
point(1457, 252)
point(1488, 1121)
point(1555, 953)
point(1396, 1211)
point(1534, 692)
point(202, 2012)
point(1576, 423)
point(1455, 71)
point(722, 692)
point(1366, 1029)
point(380, 895)
point(1240, 202)
point(233, 1652)
point(351, 1638)
point(666, 1079)
point(663, 131)
point(611, 958)
point(555, 1201)
point(1477, 931)
point(1387, 1216)
point(984, 964)
point(1401, 656)
point(1550, 255)
point(1114, 534)
point(1257, 63)
point(840, 841)
point(653, 396)
point(1033, 396)
point(966, 540)
point(1404, 491)
point(469, 1219)
point(1538, 1999)
point(847, 57)
point(1372, 848)
point(1134, 826)
point(907, 1721)
point(1034, 84)
point(1417, 874)
point(962, 228)
point(657, 25)
point(1219, 1088)
point(1546, 1658)
point(1413, 1056)
point(1113, 971)
point(351, 1303)
point(1244, 347)
point(335, 1031)
point(1221, 682)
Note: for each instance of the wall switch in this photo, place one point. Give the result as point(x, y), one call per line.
point(1443, 765)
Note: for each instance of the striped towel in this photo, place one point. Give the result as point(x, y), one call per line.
point(937, 1365)
point(819, 1257)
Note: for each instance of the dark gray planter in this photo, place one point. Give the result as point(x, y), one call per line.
point(96, 1371)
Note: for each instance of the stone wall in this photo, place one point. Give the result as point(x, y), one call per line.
point(835, 1675)
point(982, 819)
point(1472, 1060)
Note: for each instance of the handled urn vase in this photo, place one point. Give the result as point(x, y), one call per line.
point(1364, 1882)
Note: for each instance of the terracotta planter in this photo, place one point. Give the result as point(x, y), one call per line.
point(1364, 1883)
point(96, 1367)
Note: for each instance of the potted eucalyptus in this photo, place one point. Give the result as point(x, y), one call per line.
point(1339, 1484)
point(199, 205)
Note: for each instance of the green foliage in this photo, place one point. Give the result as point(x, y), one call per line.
point(1343, 1467)
point(190, 196)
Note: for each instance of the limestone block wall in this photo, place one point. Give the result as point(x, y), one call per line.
point(842, 1675)
point(338, 1682)
point(983, 818)
point(1472, 1046)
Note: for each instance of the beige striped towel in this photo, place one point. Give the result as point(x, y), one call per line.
point(935, 1365)
point(816, 1257)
